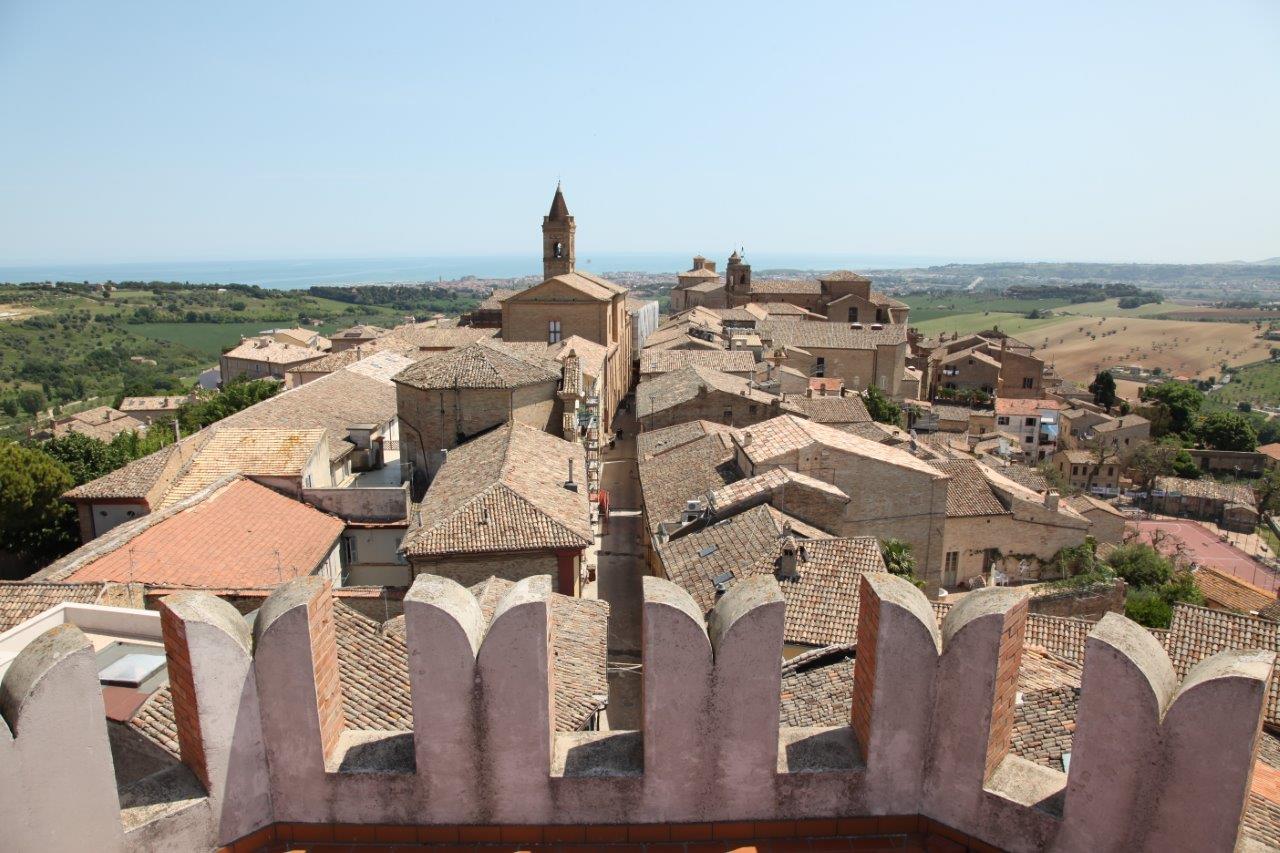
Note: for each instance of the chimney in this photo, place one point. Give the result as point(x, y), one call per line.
point(788, 563)
point(569, 483)
point(746, 439)
point(1051, 500)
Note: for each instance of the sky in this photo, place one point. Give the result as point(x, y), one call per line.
point(1135, 131)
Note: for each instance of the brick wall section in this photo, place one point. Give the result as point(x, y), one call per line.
point(1006, 687)
point(864, 672)
point(324, 662)
point(182, 686)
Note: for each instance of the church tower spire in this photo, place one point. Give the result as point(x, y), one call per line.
point(557, 238)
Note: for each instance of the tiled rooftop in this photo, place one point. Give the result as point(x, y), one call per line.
point(334, 403)
point(236, 534)
point(680, 386)
point(1206, 488)
point(812, 335)
point(969, 493)
point(267, 452)
point(787, 434)
point(20, 600)
point(484, 364)
point(653, 442)
point(684, 472)
point(1227, 590)
point(667, 360)
point(504, 492)
point(822, 607)
point(828, 409)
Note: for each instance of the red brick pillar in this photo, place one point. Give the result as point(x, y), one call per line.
point(1008, 659)
point(186, 713)
point(324, 662)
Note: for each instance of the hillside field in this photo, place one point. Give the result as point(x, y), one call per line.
point(1081, 346)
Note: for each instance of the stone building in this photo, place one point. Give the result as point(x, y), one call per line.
point(999, 366)
point(263, 358)
point(355, 336)
point(1227, 505)
point(571, 302)
point(702, 393)
point(861, 357)
point(1106, 522)
point(995, 525)
point(841, 296)
point(444, 400)
point(1083, 470)
point(699, 285)
point(892, 494)
point(511, 503)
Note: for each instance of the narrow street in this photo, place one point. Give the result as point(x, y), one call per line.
point(620, 567)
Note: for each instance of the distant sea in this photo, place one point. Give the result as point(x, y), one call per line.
point(296, 274)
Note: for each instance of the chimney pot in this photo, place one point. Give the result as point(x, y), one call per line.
point(1051, 499)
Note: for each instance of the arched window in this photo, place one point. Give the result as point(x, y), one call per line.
point(558, 251)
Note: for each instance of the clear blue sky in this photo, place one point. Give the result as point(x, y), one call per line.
point(1024, 130)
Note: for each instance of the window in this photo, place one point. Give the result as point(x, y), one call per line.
point(1028, 382)
point(951, 568)
point(1029, 422)
point(1111, 470)
point(1029, 438)
point(1002, 420)
point(820, 367)
point(853, 315)
point(553, 331)
point(728, 416)
point(348, 550)
point(752, 408)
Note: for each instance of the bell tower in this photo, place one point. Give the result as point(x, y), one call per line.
point(737, 280)
point(557, 238)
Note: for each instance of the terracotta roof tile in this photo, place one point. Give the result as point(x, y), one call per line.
point(812, 335)
point(334, 403)
point(822, 606)
point(267, 452)
point(685, 472)
point(503, 492)
point(1227, 590)
point(668, 390)
point(828, 409)
point(969, 493)
point(653, 442)
point(20, 600)
point(236, 534)
point(667, 360)
point(484, 364)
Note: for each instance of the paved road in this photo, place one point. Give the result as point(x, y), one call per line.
point(620, 567)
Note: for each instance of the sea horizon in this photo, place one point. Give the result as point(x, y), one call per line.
point(299, 273)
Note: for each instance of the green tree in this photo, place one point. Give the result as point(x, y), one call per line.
point(9, 405)
point(35, 524)
point(32, 401)
point(1147, 607)
point(1267, 490)
point(85, 458)
point(1181, 401)
point(237, 394)
point(881, 408)
point(1103, 389)
point(1227, 431)
point(899, 560)
point(1140, 565)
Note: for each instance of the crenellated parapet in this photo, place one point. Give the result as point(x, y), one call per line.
point(1156, 765)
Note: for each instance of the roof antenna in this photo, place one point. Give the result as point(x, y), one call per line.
point(279, 568)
